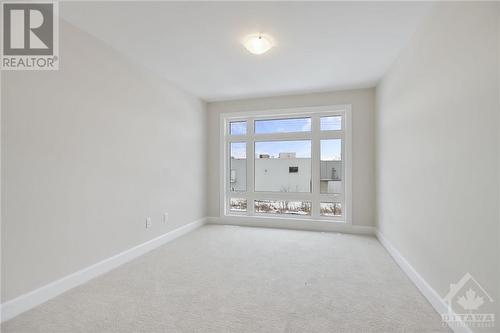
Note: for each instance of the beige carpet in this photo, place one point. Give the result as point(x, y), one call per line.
point(234, 279)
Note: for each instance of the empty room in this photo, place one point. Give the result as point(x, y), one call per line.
point(298, 167)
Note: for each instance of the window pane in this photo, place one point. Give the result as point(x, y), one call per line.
point(238, 205)
point(283, 166)
point(331, 209)
point(283, 125)
point(238, 128)
point(238, 166)
point(331, 123)
point(331, 166)
point(283, 207)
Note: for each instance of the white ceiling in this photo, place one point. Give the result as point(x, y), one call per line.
point(320, 46)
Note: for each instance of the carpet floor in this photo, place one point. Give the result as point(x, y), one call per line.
point(237, 279)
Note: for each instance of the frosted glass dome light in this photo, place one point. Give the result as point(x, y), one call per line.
point(258, 43)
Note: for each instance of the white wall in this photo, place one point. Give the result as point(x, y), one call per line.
point(363, 176)
point(88, 152)
point(437, 107)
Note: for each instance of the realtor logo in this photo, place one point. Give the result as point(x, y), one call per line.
point(30, 36)
point(468, 305)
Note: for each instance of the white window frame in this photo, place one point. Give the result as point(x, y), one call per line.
point(315, 135)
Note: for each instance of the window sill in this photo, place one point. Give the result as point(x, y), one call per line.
point(292, 223)
point(300, 218)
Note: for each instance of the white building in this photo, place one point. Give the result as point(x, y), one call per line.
point(283, 174)
point(286, 174)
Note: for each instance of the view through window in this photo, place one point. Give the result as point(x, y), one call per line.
point(291, 165)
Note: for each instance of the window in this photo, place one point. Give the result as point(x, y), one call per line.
point(293, 165)
point(238, 128)
point(272, 161)
point(283, 207)
point(238, 205)
point(331, 123)
point(238, 165)
point(331, 166)
point(283, 125)
point(331, 209)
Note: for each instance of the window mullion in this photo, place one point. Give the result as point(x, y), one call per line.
point(283, 136)
point(315, 166)
point(250, 166)
point(332, 135)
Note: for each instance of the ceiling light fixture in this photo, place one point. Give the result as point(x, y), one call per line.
point(258, 43)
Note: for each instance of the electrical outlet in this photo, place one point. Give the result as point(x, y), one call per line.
point(148, 223)
point(165, 217)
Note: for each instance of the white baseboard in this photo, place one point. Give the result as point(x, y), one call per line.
point(432, 296)
point(36, 297)
point(295, 224)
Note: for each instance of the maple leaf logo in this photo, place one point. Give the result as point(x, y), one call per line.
point(470, 301)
